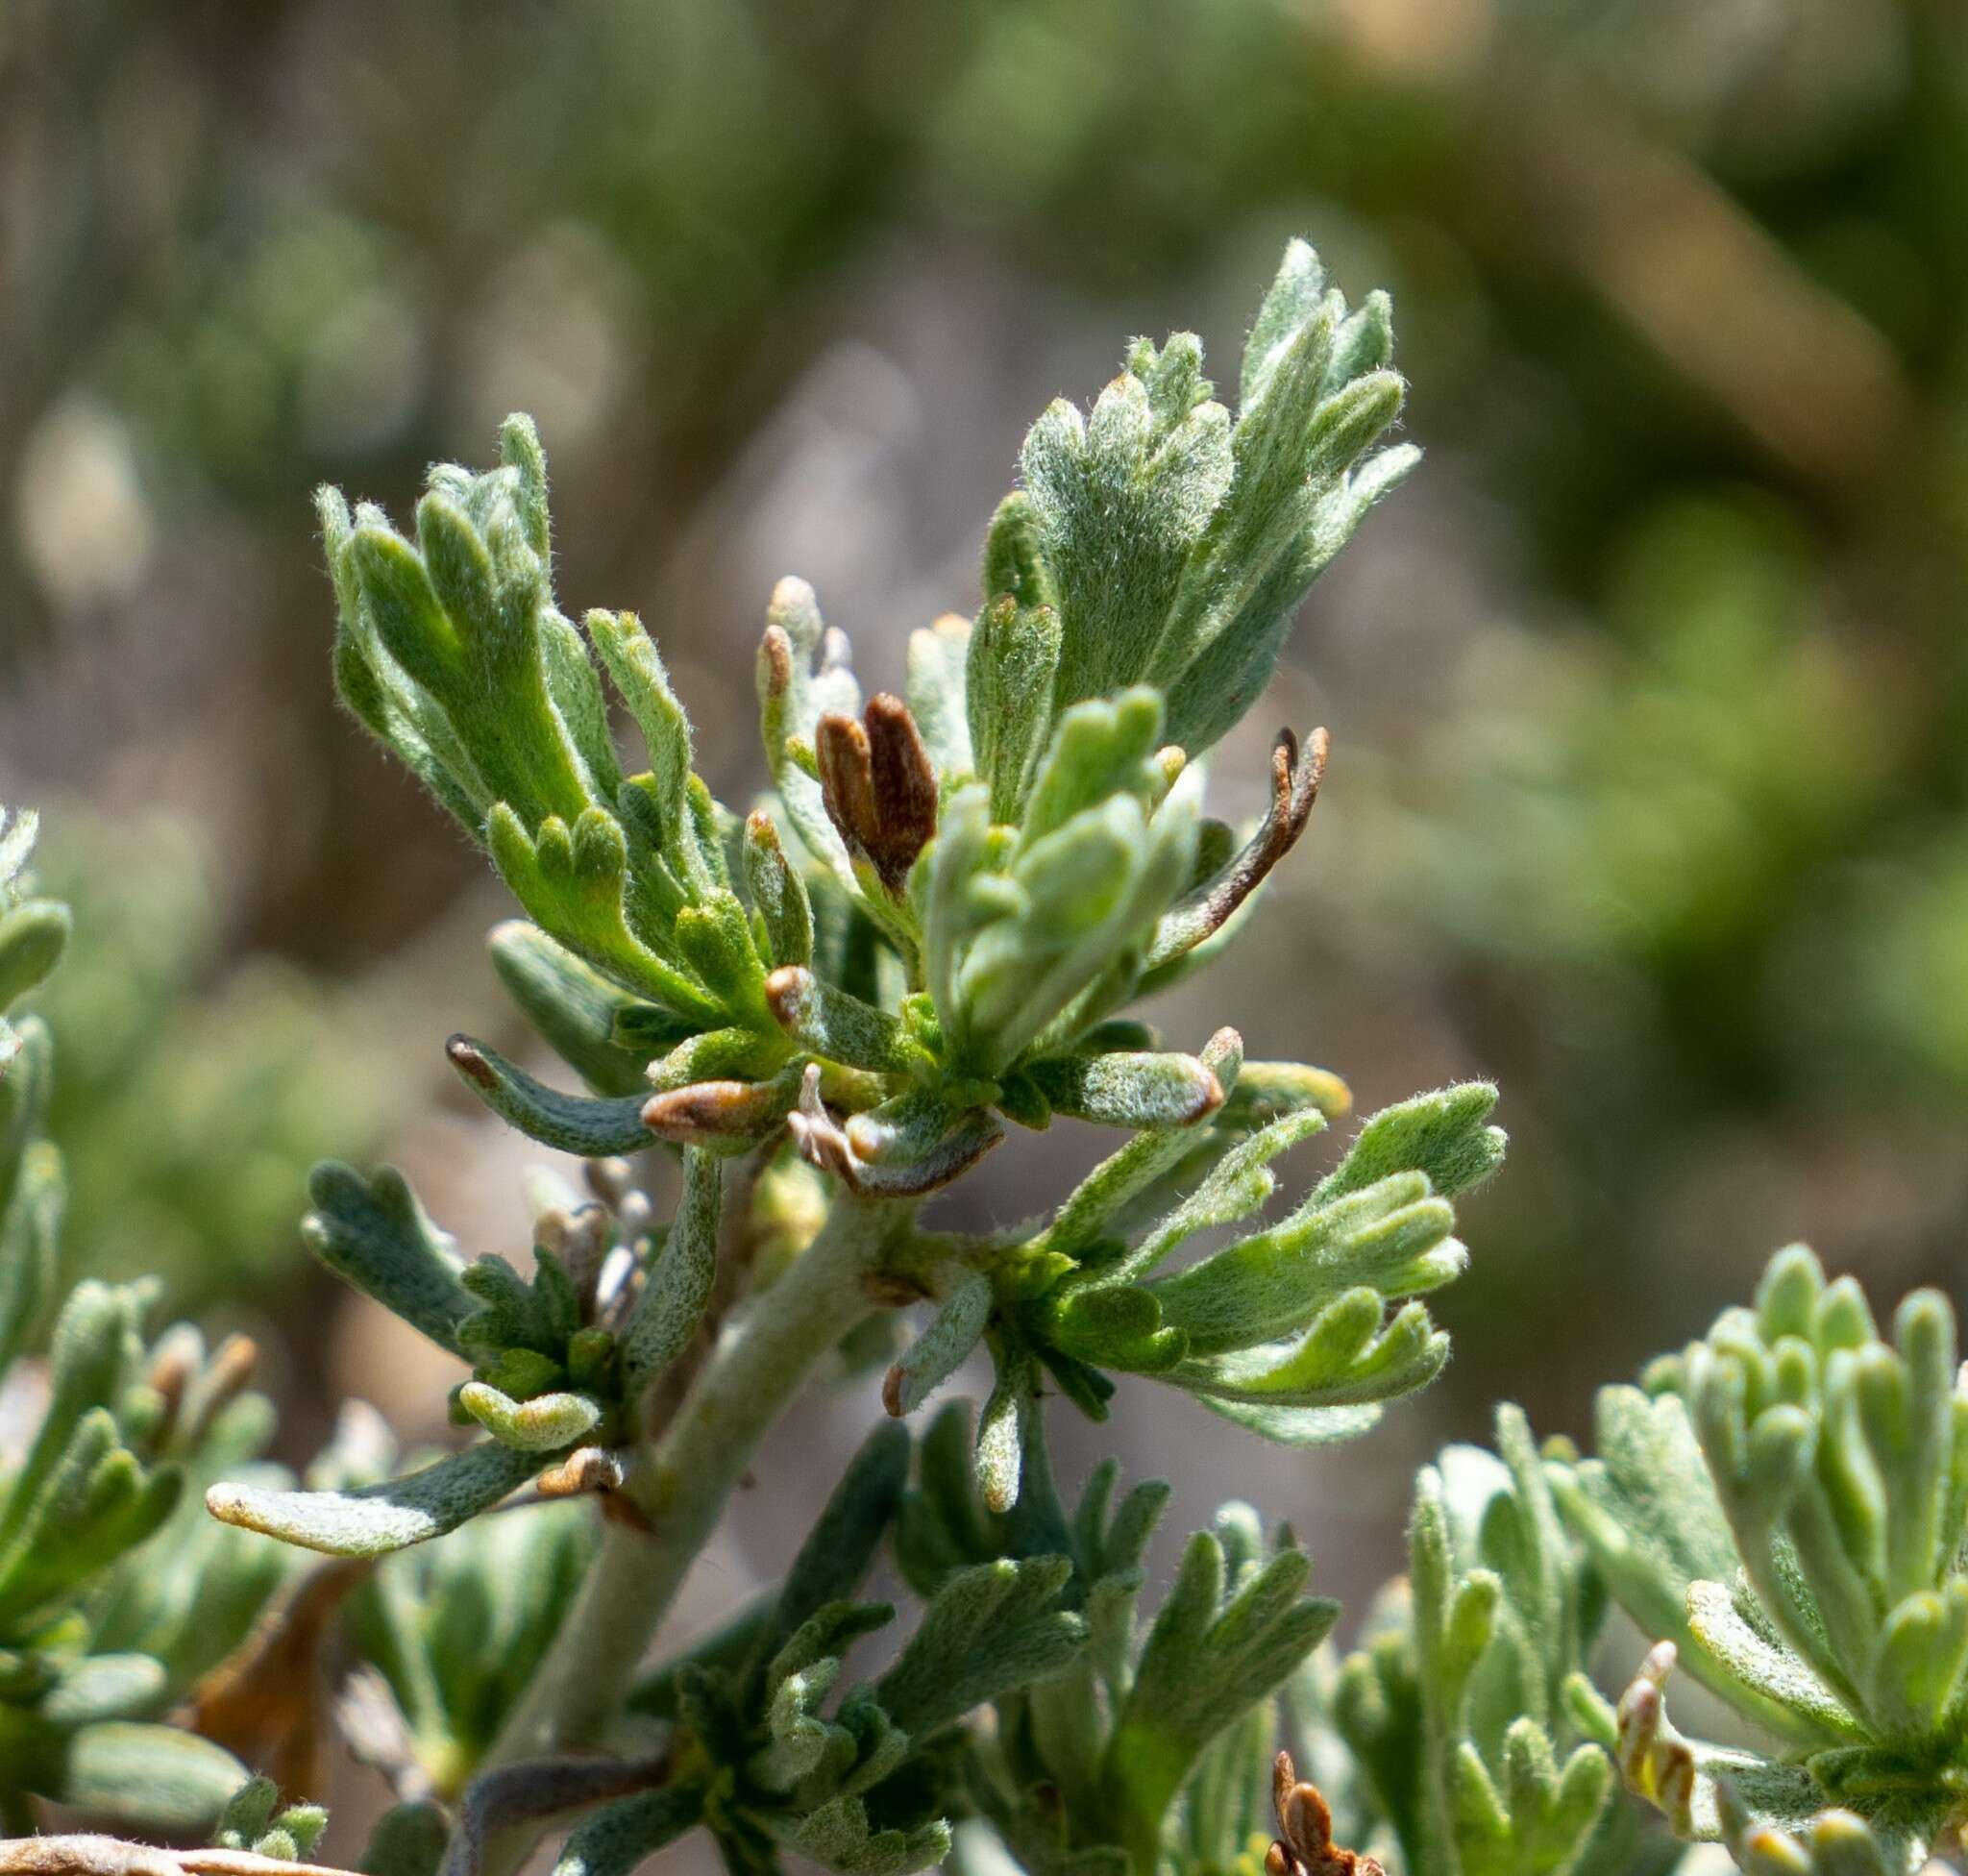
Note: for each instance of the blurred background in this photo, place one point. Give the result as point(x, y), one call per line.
point(1649, 691)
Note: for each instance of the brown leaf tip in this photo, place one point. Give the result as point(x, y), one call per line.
point(787, 991)
point(1305, 1846)
point(878, 785)
point(466, 1059)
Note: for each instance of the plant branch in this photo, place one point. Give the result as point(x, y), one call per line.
point(679, 1487)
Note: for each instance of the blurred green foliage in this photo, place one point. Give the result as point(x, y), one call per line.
point(194, 1092)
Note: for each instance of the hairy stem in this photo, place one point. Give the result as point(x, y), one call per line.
point(680, 1485)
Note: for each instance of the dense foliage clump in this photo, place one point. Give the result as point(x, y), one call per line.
point(928, 939)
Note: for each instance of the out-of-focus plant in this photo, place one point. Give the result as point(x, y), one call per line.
point(192, 1098)
point(116, 1595)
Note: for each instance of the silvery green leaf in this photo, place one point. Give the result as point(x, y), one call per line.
point(822, 1020)
point(377, 1237)
point(408, 1840)
point(937, 658)
point(573, 879)
point(96, 1344)
point(1129, 1089)
point(679, 1288)
point(1442, 1134)
point(1216, 1647)
point(637, 668)
point(1005, 1430)
point(1123, 1177)
point(1833, 1843)
point(375, 1520)
point(778, 894)
point(1349, 1355)
point(247, 1814)
point(1097, 750)
point(30, 1228)
point(1298, 1426)
point(1762, 1665)
point(103, 1686)
point(547, 1422)
point(1236, 1186)
point(987, 1630)
point(588, 1126)
point(838, 1836)
point(1013, 653)
point(1394, 1236)
point(515, 1314)
point(942, 1349)
point(577, 1009)
point(27, 1075)
point(842, 1546)
point(619, 1837)
point(1118, 500)
point(804, 674)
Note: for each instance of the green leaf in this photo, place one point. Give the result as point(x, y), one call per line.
point(1118, 500)
point(938, 659)
point(838, 1836)
point(33, 935)
point(375, 1520)
point(547, 1422)
point(1442, 1135)
point(30, 1233)
point(1207, 1659)
point(1129, 1089)
point(840, 1548)
point(152, 1778)
point(572, 877)
point(679, 1289)
point(804, 674)
point(408, 1841)
point(95, 1345)
point(247, 1814)
point(778, 895)
point(103, 1686)
point(1394, 1236)
point(377, 1237)
point(578, 1010)
point(570, 1123)
point(942, 1349)
point(826, 1022)
point(1013, 653)
point(988, 1629)
point(637, 668)
point(619, 1835)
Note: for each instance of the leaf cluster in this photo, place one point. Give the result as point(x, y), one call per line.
point(1782, 1505)
point(116, 1595)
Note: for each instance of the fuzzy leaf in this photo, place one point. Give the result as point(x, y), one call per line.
point(942, 1349)
point(988, 1629)
point(680, 1285)
point(617, 1837)
point(374, 1235)
point(375, 1520)
point(572, 1124)
point(578, 1010)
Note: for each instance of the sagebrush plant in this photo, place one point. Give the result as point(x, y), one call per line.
point(924, 939)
